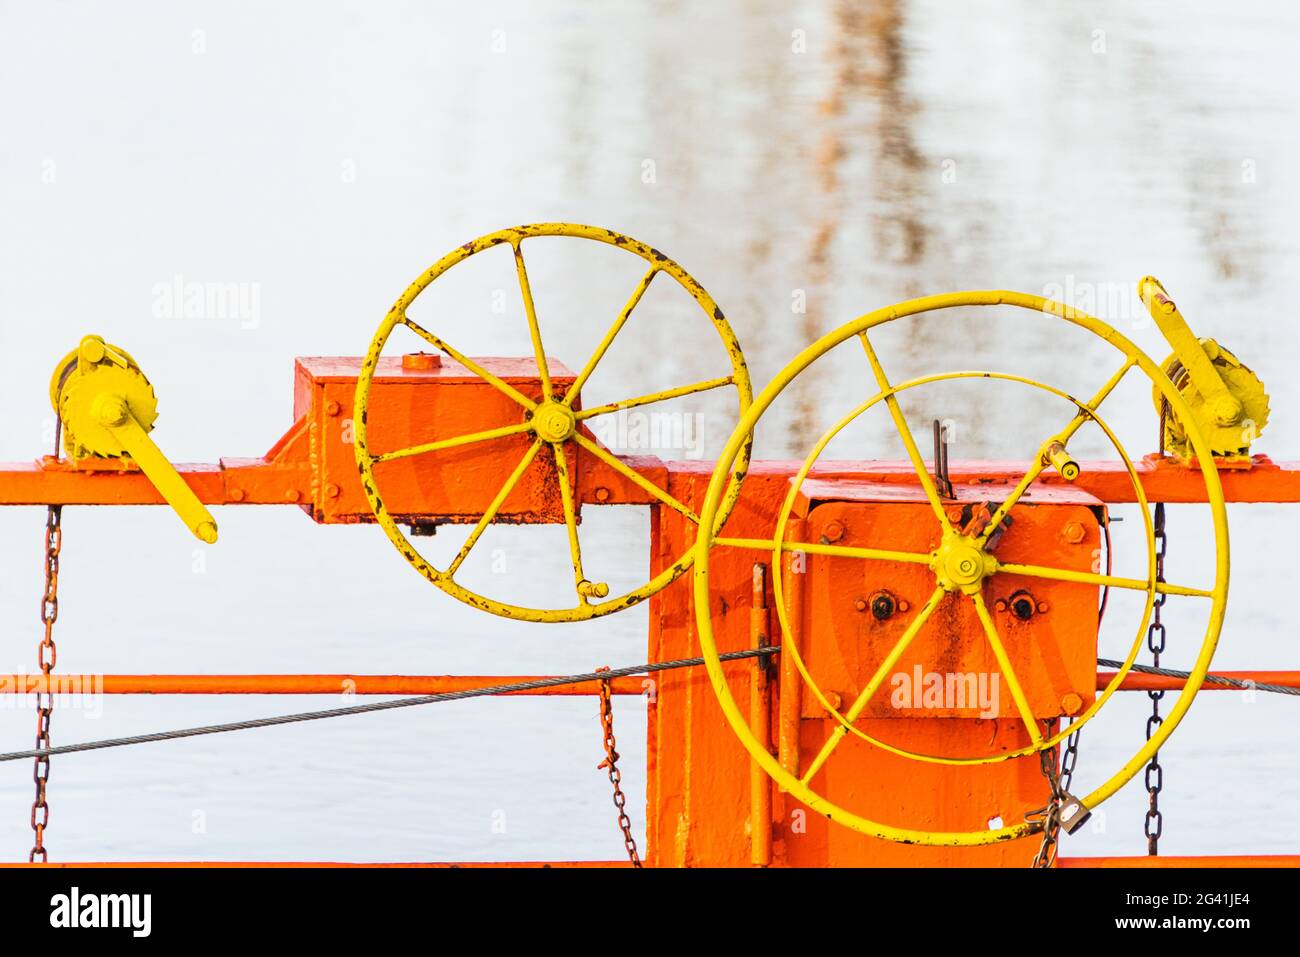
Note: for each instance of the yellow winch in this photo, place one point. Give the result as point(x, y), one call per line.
point(108, 408)
point(1226, 398)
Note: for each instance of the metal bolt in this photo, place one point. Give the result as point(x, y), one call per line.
point(1071, 703)
point(1042, 608)
point(332, 490)
point(421, 362)
point(1000, 605)
point(1074, 532)
point(602, 494)
point(236, 494)
point(883, 606)
point(291, 495)
point(834, 699)
point(834, 532)
point(860, 604)
point(332, 407)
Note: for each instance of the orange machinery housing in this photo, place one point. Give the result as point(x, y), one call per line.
point(707, 804)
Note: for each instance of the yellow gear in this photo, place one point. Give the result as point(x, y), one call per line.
point(1227, 441)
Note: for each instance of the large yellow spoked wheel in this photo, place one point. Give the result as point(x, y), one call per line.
point(553, 423)
point(962, 564)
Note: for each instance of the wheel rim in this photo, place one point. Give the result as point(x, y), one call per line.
point(547, 430)
point(743, 434)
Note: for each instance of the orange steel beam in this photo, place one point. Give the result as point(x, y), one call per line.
point(1238, 860)
point(284, 476)
point(1142, 682)
point(295, 684)
point(441, 684)
point(760, 722)
point(317, 864)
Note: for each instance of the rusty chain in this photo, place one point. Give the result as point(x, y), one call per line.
point(1048, 817)
point(47, 655)
point(610, 764)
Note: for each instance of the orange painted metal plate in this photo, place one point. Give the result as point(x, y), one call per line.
point(949, 671)
point(412, 407)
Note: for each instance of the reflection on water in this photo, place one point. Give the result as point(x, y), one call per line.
point(865, 64)
point(807, 163)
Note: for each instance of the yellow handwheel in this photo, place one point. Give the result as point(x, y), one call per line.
point(961, 564)
point(555, 422)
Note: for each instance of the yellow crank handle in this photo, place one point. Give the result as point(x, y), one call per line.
point(113, 412)
point(1226, 407)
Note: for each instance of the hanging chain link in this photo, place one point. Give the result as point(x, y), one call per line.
point(1154, 824)
point(1049, 816)
point(615, 775)
point(47, 656)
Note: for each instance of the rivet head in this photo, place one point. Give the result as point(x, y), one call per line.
point(602, 494)
point(291, 495)
point(236, 494)
point(332, 490)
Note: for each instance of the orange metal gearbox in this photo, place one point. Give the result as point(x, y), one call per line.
point(699, 786)
point(861, 608)
point(416, 400)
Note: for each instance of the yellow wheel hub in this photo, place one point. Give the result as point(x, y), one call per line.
point(554, 422)
point(961, 562)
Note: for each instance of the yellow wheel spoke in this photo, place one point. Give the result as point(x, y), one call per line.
point(468, 363)
point(453, 443)
point(1040, 460)
point(859, 705)
point(905, 433)
point(702, 386)
point(570, 517)
point(816, 548)
point(492, 509)
point(531, 312)
point(633, 476)
point(614, 330)
point(1004, 665)
point(853, 551)
point(1111, 581)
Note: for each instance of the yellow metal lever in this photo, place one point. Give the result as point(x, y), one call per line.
point(1220, 402)
point(108, 408)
